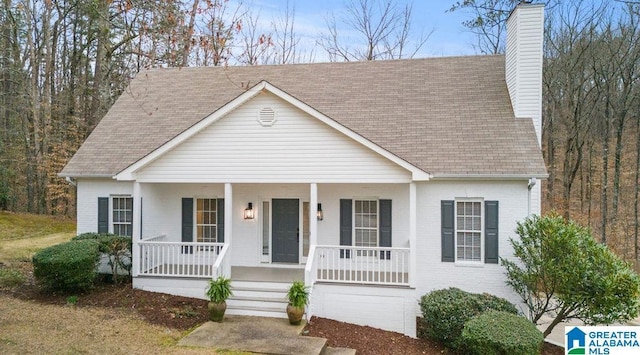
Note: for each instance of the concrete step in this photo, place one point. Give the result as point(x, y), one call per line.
point(338, 351)
point(257, 298)
point(254, 303)
point(259, 293)
point(269, 285)
point(262, 311)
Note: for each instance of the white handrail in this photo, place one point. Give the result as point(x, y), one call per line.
point(311, 267)
point(360, 265)
point(222, 266)
point(310, 272)
point(156, 238)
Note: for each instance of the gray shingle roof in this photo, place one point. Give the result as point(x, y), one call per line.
point(446, 116)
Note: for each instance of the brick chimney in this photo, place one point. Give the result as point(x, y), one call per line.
point(523, 69)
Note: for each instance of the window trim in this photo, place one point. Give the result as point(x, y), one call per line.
point(112, 222)
point(353, 221)
point(195, 218)
point(481, 231)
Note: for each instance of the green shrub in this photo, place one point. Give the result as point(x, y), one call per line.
point(68, 266)
point(446, 311)
point(219, 289)
point(116, 247)
point(501, 333)
point(10, 277)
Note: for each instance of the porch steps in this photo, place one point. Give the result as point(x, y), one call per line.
point(258, 298)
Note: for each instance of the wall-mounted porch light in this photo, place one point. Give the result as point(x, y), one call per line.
point(320, 214)
point(248, 212)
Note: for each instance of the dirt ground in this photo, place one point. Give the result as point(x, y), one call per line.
point(120, 320)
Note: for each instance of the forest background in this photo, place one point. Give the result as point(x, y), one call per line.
point(63, 63)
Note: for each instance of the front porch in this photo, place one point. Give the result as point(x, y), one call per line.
point(330, 264)
point(358, 250)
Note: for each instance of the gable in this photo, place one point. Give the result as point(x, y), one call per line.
point(296, 148)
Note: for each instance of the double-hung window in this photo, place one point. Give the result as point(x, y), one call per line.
point(366, 223)
point(122, 215)
point(206, 220)
point(468, 230)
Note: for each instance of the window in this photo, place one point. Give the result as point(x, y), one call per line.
point(468, 231)
point(206, 220)
point(122, 214)
point(366, 223)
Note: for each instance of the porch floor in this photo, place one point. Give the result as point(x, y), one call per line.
point(266, 274)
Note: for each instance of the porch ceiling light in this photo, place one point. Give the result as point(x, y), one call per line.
point(320, 214)
point(248, 212)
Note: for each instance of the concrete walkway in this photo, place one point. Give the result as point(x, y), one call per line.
point(257, 335)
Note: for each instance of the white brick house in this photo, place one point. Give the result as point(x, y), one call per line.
point(374, 182)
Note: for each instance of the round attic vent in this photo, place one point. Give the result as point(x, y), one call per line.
point(267, 116)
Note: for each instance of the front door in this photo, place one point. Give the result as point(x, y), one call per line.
point(285, 230)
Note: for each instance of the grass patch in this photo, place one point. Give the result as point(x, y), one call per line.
point(23, 234)
point(23, 225)
point(21, 250)
point(10, 277)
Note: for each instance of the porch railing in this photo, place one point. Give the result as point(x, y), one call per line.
point(159, 257)
point(222, 267)
point(359, 265)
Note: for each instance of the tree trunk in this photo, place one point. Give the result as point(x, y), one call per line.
point(605, 176)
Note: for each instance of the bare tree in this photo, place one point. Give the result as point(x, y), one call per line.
point(488, 21)
point(255, 45)
point(285, 39)
point(380, 30)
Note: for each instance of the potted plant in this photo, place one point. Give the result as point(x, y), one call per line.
point(218, 292)
point(298, 296)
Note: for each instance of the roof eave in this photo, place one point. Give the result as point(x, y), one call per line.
point(84, 175)
point(489, 176)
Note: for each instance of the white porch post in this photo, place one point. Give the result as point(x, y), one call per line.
point(228, 213)
point(412, 235)
point(313, 211)
point(137, 228)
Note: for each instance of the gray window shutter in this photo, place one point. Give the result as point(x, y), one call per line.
point(345, 226)
point(187, 222)
point(491, 232)
point(220, 222)
point(385, 227)
point(103, 215)
point(448, 245)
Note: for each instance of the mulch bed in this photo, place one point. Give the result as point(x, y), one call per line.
point(367, 340)
point(185, 313)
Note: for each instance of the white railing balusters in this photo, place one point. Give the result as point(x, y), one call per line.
point(159, 257)
point(358, 265)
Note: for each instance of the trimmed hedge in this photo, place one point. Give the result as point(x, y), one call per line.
point(108, 242)
point(501, 333)
point(69, 266)
point(446, 311)
point(116, 247)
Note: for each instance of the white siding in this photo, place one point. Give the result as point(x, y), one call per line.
point(296, 149)
point(88, 192)
point(524, 62)
point(434, 274)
